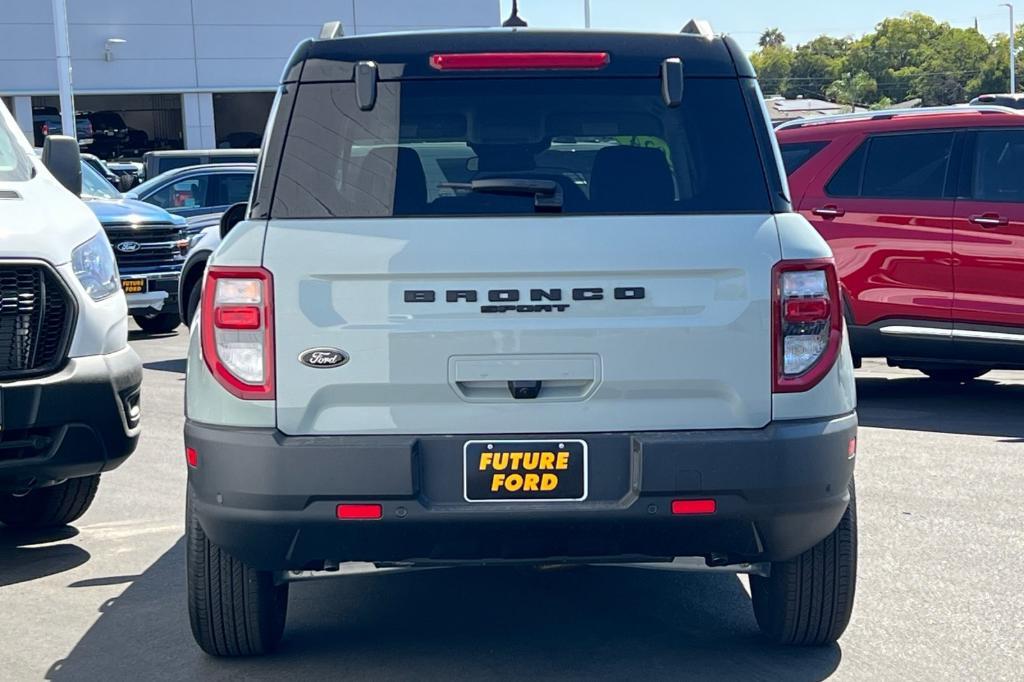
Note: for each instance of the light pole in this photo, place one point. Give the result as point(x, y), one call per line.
point(67, 97)
point(1013, 49)
point(586, 13)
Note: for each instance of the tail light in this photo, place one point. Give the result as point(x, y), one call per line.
point(505, 61)
point(808, 323)
point(45, 129)
point(237, 328)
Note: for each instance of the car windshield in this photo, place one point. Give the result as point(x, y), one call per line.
point(481, 146)
point(95, 185)
point(15, 165)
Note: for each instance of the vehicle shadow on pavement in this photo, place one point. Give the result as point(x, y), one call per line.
point(30, 555)
point(978, 408)
point(472, 623)
point(174, 366)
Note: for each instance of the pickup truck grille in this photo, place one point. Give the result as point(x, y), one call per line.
point(36, 320)
point(146, 248)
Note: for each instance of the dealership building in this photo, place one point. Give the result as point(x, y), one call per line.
point(188, 74)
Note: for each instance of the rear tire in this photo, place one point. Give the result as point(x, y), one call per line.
point(808, 600)
point(162, 323)
point(955, 375)
point(194, 295)
point(234, 610)
point(55, 505)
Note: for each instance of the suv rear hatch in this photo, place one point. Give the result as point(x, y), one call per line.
point(495, 254)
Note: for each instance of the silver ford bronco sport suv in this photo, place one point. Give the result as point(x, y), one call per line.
point(519, 296)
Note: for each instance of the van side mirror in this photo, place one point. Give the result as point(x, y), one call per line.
point(125, 182)
point(63, 158)
point(232, 217)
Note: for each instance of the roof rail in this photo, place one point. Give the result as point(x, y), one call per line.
point(331, 29)
point(699, 27)
point(882, 114)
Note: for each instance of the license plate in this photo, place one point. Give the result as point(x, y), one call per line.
point(134, 286)
point(525, 470)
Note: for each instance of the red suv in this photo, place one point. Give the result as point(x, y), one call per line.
point(924, 210)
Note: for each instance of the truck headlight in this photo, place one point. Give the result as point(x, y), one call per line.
point(95, 267)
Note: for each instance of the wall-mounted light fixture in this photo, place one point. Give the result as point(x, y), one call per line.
point(108, 48)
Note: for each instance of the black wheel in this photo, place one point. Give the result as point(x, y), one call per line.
point(192, 306)
point(158, 324)
point(955, 375)
point(55, 505)
point(234, 610)
point(808, 599)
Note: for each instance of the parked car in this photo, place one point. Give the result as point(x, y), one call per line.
point(924, 210)
point(157, 163)
point(101, 167)
point(198, 190)
point(46, 121)
point(68, 378)
point(203, 233)
point(150, 246)
point(641, 357)
point(1013, 101)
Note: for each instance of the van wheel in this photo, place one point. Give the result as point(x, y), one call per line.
point(808, 600)
point(55, 505)
point(955, 375)
point(234, 610)
point(162, 323)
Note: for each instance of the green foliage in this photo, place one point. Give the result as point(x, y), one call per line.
point(906, 57)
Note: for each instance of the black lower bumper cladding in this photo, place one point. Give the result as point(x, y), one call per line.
point(271, 499)
point(80, 421)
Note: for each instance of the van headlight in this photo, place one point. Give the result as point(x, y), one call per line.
point(95, 267)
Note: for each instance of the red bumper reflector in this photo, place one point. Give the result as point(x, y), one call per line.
point(483, 61)
point(852, 452)
point(360, 511)
point(192, 457)
point(693, 507)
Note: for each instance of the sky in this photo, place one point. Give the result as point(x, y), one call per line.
point(800, 20)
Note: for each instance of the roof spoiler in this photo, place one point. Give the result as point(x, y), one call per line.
point(699, 27)
point(331, 30)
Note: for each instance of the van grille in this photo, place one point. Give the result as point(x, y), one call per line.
point(36, 317)
point(157, 251)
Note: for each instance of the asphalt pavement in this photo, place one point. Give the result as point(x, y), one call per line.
point(940, 480)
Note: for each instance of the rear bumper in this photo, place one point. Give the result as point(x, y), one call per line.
point(270, 499)
point(70, 424)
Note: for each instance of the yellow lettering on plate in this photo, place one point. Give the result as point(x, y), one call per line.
point(514, 482)
point(531, 461)
point(548, 482)
point(563, 461)
point(530, 482)
point(496, 482)
point(500, 461)
point(547, 461)
point(515, 458)
point(485, 460)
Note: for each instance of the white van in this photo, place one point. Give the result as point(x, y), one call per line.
point(69, 382)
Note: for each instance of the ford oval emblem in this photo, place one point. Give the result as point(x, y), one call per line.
point(128, 247)
point(323, 358)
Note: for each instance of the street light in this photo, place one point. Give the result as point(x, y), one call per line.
point(1013, 49)
point(586, 13)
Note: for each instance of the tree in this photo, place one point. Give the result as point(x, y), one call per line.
point(773, 66)
point(772, 37)
point(858, 89)
point(815, 66)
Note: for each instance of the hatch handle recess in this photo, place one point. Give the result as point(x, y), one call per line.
point(366, 85)
point(672, 81)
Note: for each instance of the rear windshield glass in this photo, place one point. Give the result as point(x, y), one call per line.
point(507, 146)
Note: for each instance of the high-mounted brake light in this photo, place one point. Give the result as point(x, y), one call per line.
point(237, 330)
point(807, 329)
point(499, 61)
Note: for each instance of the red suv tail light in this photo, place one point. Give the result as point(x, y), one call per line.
point(237, 328)
point(807, 323)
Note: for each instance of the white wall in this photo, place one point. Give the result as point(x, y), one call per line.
point(196, 45)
